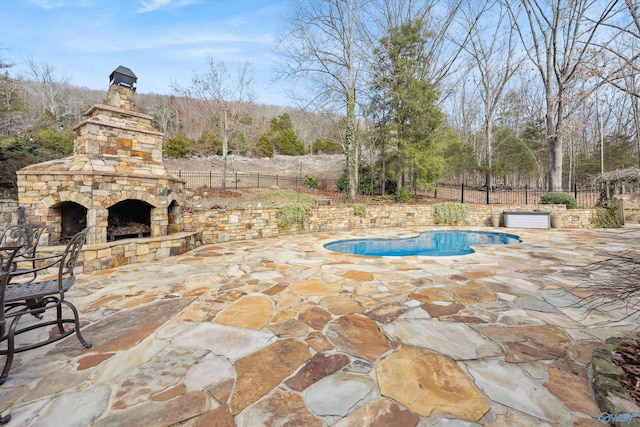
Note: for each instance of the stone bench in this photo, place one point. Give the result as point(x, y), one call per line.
point(323, 202)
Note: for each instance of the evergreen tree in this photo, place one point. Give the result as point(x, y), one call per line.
point(404, 108)
point(281, 139)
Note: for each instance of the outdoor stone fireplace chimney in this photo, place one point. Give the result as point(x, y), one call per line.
point(115, 182)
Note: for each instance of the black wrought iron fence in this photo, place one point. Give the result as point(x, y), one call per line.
point(237, 180)
point(586, 195)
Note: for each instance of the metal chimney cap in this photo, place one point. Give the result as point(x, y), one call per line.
point(123, 76)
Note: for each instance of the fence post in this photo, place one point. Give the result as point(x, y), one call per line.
point(258, 179)
point(462, 193)
point(236, 180)
point(575, 191)
point(526, 194)
point(210, 179)
point(488, 193)
point(435, 192)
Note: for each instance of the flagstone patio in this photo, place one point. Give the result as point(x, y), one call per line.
point(283, 332)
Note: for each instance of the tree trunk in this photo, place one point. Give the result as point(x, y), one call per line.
point(349, 143)
point(225, 149)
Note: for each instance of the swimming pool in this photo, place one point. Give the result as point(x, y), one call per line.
point(427, 243)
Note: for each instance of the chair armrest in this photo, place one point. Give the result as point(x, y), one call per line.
point(51, 261)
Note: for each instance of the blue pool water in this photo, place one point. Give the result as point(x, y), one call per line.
point(428, 243)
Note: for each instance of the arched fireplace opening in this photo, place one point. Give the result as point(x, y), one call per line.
point(73, 219)
point(129, 218)
point(174, 217)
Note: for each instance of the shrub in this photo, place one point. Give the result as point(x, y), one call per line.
point(311, 182)
point(557, 198)
point(359, 210)
point(450, 213)
point(343, 183)
point(366, 185)
point(605, 217)
point(402, 195)
point(52, 140)
point(293, 213)
point(178, 146)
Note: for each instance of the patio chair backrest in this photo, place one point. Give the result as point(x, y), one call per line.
point(27, 236)
point(7, 254)
point(70, 255)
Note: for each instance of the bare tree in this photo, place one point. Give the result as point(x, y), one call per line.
point(558, 36)
point(224, 101)
point(47, 90)
point(163, 110)
point(492, 48)
point(322, 45)
point(621, 64)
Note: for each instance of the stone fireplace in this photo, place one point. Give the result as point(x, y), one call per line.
point(115, 182)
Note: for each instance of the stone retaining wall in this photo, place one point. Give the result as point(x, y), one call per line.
point(245, 224)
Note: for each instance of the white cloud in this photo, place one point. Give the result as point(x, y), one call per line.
point(151, 5)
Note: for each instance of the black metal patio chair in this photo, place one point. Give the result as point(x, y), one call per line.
point(7, 254)
point(37, 297)
point(27, 236)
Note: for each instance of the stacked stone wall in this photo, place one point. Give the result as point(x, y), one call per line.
point(129, 251)
point(246, 224)
point(8, 211)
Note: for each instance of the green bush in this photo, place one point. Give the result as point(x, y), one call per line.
point(605, 217)
point(343, 183)
point(366, 185)
point(61, 142)
point(290, 214)
point(557, 198)
point(450, 213)
point(402, 195)
point(359, 210)
point(311, 182)
point(178, 146)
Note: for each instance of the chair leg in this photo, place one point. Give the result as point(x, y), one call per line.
point(4, 419)
point(76, 318)
point(10, 349)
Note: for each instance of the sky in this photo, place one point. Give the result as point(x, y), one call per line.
point(161, 41)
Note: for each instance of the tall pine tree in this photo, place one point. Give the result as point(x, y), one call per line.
point(411, 134)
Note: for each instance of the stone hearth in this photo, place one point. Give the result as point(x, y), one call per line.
point(115, 182)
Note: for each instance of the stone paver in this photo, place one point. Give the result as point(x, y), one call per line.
point(280, 331)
